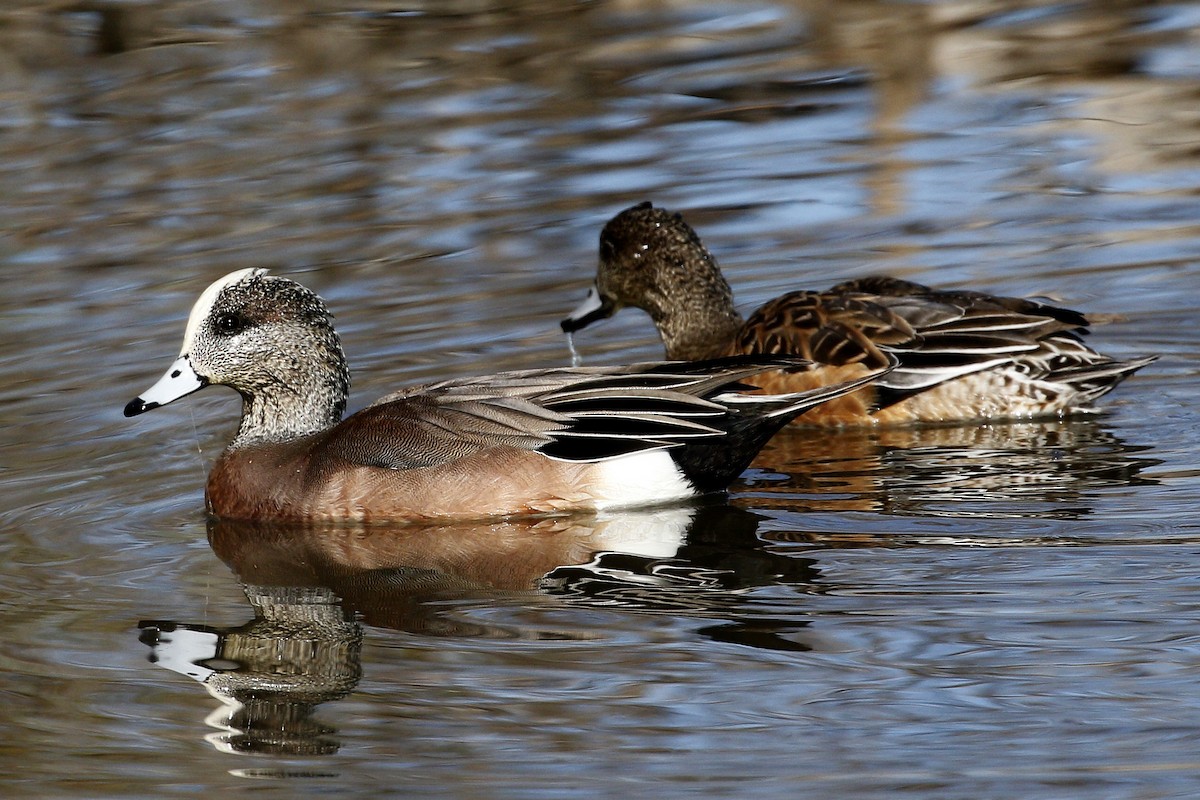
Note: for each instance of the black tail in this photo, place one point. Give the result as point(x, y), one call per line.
point(752, 419)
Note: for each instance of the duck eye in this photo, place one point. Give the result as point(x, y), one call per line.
point(228, 323)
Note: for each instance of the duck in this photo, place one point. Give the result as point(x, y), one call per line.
point(534, 442)
point(963, 356)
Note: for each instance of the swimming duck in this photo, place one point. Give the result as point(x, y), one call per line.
point(516, 443)
point(963, 355)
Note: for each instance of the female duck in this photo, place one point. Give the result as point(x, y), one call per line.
point(532, 442)
point(962, 355)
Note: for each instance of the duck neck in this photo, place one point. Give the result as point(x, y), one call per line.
point(698, 319)
point(309, 398)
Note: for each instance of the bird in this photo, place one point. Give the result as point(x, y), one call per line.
point(547, 441)
point(963, 356)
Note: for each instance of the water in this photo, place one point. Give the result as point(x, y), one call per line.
point(986, 612)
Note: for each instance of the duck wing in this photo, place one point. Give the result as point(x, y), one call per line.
point(573, 414)
point(936, 335)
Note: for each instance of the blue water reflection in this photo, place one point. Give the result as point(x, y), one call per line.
point(970, 612)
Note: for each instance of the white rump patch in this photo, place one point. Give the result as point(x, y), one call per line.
point(639, 479)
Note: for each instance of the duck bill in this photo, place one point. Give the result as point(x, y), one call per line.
point(179, 381)
point(594, 307)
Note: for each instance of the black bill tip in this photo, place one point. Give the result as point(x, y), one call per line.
point(138, 406)
point(573, 323)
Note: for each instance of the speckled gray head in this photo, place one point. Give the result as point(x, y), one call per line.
point(270, 339)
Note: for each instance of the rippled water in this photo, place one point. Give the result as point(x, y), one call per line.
point(995, 612)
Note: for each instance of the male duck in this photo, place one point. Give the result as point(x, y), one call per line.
point(531, 442)
point(962, 355)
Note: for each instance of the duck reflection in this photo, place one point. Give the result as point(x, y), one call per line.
point(314, 587)
point(409, 577)
point(300, 650)
point(1044, 470)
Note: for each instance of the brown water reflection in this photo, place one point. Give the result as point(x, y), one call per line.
point(1028, 470)
point(695, 558)
point(313, 588)
point(388, 574)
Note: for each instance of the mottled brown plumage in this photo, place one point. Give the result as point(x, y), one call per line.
point(963, 355)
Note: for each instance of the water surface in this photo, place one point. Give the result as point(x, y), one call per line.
point(986, 612)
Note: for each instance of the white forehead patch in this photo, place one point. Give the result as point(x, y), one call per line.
point(204, 304)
